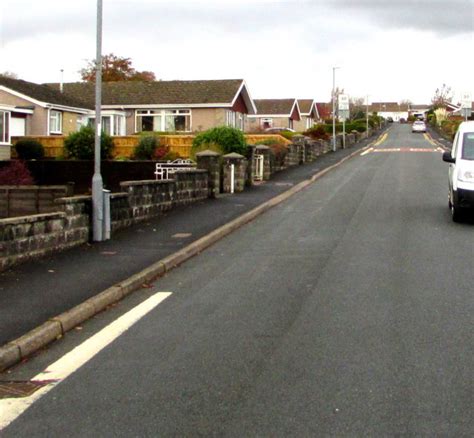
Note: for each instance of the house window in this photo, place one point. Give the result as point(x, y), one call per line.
point(267, 123)
point(55, 122)
point(163, 120)
point(4, 127)
point(234, 119)
point(309, 122)
point(112, 124)
point(81, 121)
point(290, 123)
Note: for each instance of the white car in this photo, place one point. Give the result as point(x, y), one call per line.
point(276, 130)
point(418, 126)
point(461, 171)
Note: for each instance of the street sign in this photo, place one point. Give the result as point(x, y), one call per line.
point(344, 114)
point(466, 100)
point(343, 103)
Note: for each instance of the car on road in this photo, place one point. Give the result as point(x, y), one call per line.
point(418, 126)
point(461, 171)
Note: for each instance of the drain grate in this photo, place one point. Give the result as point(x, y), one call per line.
point(18, 389)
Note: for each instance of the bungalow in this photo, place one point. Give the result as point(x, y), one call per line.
point(393, 110)
point(131, 107)
point(418, 110)
point(309, 115)
point(274, 113)
point(27, 108)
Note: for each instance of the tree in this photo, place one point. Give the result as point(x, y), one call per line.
point(9, 74)
point(442, 97)
point(357, 108)
point(115, 68)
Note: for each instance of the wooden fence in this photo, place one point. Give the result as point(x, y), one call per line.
point(124, 146)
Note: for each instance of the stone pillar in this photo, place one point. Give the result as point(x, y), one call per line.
point(210, 161)
point(240, 172)
point(265, 151)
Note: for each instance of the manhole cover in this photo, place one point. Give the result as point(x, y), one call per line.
point(18, 389)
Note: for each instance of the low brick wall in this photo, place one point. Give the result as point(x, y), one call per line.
point(28, 237)
point(26, 200)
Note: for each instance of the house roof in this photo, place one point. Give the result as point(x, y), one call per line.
point(306, 106)
point(388, 107)
point(136, 93)
point(421, 106)
point(275, 107)
point(40, 93)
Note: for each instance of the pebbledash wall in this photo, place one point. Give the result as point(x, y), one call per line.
point(27, 237)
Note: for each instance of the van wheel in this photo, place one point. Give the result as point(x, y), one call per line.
point(457, 214)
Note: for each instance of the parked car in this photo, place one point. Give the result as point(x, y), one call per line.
point(418, 126)
point(275, 130)
point(461, 171)
point(390, 119)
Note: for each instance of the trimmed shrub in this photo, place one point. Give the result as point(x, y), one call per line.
point(147, 145)
point(317, 132)
point(16, 173)
point(29, 149)
point(81, 144)
point(227, 138)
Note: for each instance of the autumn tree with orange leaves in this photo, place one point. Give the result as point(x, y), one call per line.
point(115, 68)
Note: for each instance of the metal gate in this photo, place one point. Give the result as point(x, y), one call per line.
point(258, 167)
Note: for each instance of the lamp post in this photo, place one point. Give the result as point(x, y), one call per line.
point(367, 116)
point(97, 185)
point(334, 108)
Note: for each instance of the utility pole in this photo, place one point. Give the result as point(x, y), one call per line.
point(97, 185)
point(334, 108)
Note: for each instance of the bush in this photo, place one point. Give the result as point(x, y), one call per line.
point(147, 145)
point(227, 138)
point(81, 144)
point(317, 132)
point(16, 173)
point(279, 152)
point(29, 149)
point(288, 134)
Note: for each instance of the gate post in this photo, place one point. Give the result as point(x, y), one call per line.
point(240, 169)
point(209, 160)
point(265, 151)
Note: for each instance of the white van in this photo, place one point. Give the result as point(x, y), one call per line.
point(461, 171)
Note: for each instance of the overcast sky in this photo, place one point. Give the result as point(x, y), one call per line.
point(389, 50)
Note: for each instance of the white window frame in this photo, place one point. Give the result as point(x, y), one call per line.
point(163, 113)
point(55, 122)
point(116, 122)
point(5, 133)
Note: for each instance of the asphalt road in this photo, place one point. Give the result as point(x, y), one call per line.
point(345, 311)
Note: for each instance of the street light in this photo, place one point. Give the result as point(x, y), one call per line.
point(334, 108)
point(97, 185)
point(367, 116)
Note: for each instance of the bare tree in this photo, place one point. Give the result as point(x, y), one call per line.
point(442, 97)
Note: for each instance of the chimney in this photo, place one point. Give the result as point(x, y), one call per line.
point(61, 85)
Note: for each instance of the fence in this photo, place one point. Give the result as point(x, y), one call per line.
point(26, 200)
point(124, 146)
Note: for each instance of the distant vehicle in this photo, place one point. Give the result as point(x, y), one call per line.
point(461, 171)
point(402, 120)
point(389, 119)
point(418, 126)
point(274, 130)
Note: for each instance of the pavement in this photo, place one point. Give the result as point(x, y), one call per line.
point(42, 299)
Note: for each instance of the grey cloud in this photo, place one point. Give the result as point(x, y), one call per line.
point(443, 17)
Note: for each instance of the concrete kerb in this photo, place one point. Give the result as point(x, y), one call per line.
point(20, 348)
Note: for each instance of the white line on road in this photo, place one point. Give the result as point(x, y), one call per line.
point(11, 408)
point(366, 152)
